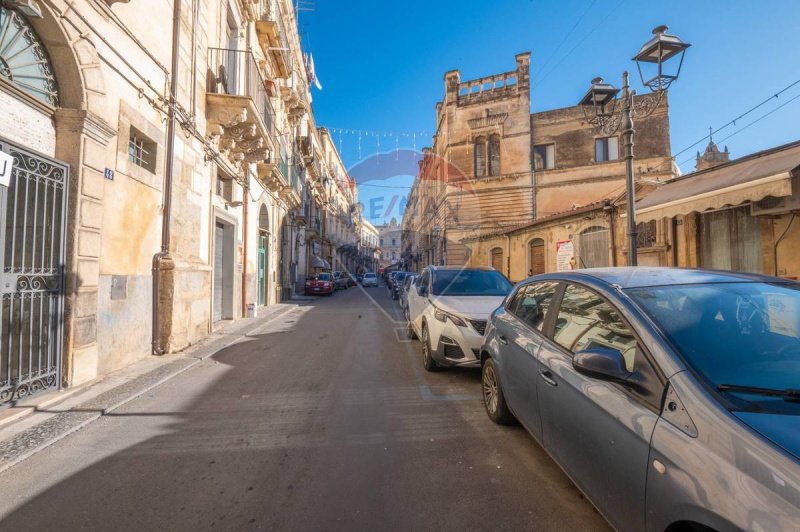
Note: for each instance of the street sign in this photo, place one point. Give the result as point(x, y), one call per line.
point(6, 167)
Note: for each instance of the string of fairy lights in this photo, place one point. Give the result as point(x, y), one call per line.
point(369, 141)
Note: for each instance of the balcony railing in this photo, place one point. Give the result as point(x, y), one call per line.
point(236, 73)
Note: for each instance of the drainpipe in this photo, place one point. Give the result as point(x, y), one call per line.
point(158, 258)
point(777, 242)
point(508, 258)
point(245, 198)
point(609, 208)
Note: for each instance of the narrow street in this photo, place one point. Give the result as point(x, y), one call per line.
point(325, 421)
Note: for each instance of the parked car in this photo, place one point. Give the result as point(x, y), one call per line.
point(447, 310)
point(340, 280)
point(370, 279)
point(351, 280)
point(322, 284)
point(670, 397)
point(359, 277)
point(403, 298)
point(397, 284)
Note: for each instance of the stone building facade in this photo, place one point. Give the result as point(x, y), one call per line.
point(494, 165)
point(389, 242)
point(94, 126)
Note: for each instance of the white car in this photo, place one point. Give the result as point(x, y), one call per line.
point(448, 307)
point(369, 279)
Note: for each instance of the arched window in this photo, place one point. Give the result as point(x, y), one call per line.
point(494, 155)
point(24, 61)
point(593, 251)
point(497, 259)
point(480, 157)
point(537, 256)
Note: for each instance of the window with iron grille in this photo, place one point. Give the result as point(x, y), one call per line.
point(142, 150)
point(225, 187)
point(646, 234)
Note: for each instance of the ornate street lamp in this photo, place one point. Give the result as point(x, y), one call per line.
point(658, 50)
point(599, 106)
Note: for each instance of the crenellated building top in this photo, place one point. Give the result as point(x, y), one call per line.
point(494, 87)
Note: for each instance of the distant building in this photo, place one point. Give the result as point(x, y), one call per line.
point(389, 241)
point(711, 157)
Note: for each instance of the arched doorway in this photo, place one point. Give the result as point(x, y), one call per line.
point(32, 216)
point(263, 256)
point(497, 259)
point(536, 256)
point(594, 248)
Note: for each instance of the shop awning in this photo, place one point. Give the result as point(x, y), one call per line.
point(319, 262)
point(751, 178)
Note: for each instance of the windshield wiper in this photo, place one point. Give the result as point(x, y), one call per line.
point(788, 394)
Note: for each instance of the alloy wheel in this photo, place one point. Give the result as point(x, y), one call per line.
point(490, 388)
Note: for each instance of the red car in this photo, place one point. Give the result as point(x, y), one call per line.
point(321, 285)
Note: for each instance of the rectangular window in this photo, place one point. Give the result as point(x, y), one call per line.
point(225, 187)
point(606, 149)
point(142, 150)
point(544, 157)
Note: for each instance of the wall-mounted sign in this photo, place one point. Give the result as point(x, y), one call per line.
point(565, 255)
point(108, 173)
point(6, 167)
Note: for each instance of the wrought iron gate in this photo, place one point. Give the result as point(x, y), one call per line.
point(32, 252)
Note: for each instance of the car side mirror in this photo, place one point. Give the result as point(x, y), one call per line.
point(602, 363)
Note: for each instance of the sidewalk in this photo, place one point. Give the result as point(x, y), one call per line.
point(41, 420)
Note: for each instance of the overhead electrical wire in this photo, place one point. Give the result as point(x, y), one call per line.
point(733, 122)
point(760, 118)
point(566, 37)
point(589, 34)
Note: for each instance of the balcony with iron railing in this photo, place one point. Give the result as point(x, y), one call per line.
point(273, 38)
point(238, 108)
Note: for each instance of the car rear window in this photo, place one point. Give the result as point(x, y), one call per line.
point(323, 277)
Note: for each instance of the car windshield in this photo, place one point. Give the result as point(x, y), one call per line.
point(323, 277)
point(469, 283)
point(735, 335)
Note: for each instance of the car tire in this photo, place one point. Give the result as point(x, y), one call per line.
point(410, 334)
point(493, 398)
point(427, 358)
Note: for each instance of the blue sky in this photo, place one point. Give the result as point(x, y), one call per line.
point(381, 66)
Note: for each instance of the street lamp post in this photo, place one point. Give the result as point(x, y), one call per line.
point(601, 99)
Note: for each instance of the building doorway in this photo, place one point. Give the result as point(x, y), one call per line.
point(594, 248)
point(497, 259)
point(222, 306)
point(33, 254)
point(263, 255)
point(536, 252)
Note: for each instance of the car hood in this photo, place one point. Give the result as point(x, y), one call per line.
point(783, 430)
point(478, 307)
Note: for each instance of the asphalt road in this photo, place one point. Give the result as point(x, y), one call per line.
point(326, 421)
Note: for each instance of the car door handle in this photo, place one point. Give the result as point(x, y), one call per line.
point(547, 377)
point(502, 339)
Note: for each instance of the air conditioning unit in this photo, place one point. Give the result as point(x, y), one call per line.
point(772, 206)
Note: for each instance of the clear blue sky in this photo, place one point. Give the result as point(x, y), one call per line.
point(381, 65)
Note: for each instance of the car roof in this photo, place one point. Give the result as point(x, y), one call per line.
point(638, 276)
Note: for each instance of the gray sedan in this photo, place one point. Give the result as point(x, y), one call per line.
point(670, 397)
